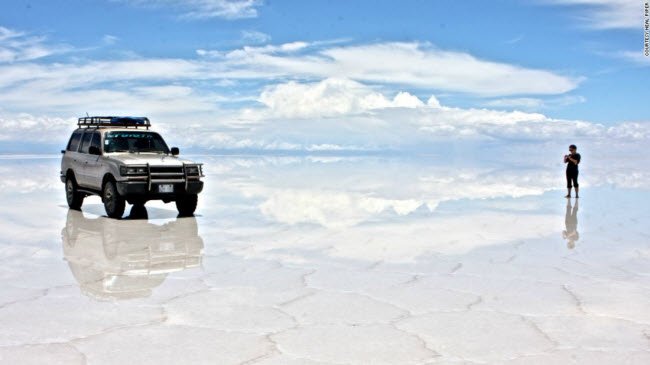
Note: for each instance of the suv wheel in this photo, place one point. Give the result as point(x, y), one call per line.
point(73, 196)
point(113, 202)
point(186, 205)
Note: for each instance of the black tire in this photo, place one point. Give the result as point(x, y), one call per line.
point(73, 196)
point(113, 203)
point(186, 205)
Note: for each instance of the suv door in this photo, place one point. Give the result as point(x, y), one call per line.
point(83, 158)
point(70, 160)
point(95, 162)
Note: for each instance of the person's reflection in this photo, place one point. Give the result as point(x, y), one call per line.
point(122, 259)
point(571, 224)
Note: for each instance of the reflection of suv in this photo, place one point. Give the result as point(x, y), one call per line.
point(128, 258)
point(120, 159)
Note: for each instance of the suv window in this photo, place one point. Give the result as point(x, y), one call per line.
point(134, 141)
point(96, 141)
point(73, 144)
point(85, 142)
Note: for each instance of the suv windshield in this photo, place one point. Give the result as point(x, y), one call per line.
point(134, 142)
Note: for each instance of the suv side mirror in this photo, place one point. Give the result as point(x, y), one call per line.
point(175, 151)
point(94, 150)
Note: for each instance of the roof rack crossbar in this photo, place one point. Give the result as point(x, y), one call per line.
point(126, 122)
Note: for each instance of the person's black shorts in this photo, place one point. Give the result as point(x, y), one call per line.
point(571, 176)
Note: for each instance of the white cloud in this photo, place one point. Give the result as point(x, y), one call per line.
point(72, 75)
point(6, 33)
point(630, 131)
point(346, 115)
point(246, 51)
point(332, 209)
point(204, 9)
point(607, 14)
point(415, 64)
point(255, 36)
point(21, 127)
point(329, 97)
point(336, 101)
point(165, 99)
point(108, 39)
point(535, 103)
point(83, 82)
point(636, 56)
point(18, 46)
point(331, 115)
point(347, 193)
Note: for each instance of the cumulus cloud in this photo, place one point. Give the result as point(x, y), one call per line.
point(355, 97)
point(82, 85)
point(329, 97)
point(331, 115)
point(607, 14)
point(346, 112)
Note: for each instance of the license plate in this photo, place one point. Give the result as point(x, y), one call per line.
point(165, 188)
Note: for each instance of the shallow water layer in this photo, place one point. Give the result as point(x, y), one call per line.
point(312, 260)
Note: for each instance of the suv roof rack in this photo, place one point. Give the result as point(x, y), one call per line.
point(114, 122)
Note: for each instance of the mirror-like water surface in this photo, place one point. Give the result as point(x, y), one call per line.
point(333, 260)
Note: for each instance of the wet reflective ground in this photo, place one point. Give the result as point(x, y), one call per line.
point(311, 260)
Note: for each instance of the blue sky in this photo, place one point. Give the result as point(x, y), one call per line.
point(328, 74)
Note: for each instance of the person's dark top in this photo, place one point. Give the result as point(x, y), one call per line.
point(570, 166)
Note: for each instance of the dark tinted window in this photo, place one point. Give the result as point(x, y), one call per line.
point(73, 145)
point(96, 141)
point(85, 142)
point(135, 141)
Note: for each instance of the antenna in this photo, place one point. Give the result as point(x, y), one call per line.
point(87, 115)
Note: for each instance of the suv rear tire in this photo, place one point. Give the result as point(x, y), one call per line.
point(113, 203)
point(73, 196)
point(186, 205)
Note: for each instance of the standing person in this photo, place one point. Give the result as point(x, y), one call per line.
point(572, 160)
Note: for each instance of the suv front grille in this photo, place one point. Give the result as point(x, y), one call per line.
point(164, 175)
point(167, 174)
point(167, 169)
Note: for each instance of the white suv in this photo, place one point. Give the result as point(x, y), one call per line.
point(121, 160)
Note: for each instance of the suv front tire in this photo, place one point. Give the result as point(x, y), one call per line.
point(113, 202)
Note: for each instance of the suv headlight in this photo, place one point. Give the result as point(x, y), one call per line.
point(132, 170)
point(192, 170)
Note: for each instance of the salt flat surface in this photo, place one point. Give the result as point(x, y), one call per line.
point(329, 260)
